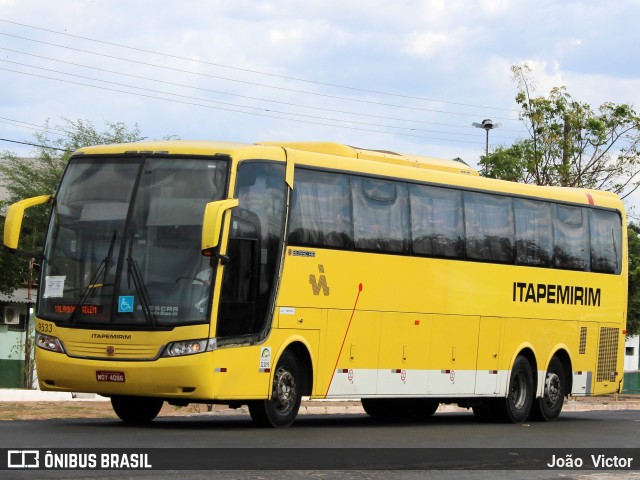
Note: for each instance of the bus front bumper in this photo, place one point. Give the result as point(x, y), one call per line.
point(188, 377)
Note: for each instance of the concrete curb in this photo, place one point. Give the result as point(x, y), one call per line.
point(319, 407)
point(19, 395)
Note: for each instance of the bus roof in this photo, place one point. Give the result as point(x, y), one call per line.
point(383, 156)
point(378, 162)
point(327, 148)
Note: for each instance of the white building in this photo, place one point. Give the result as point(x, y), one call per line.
point(632, 354)
point(16, 338)
point(16, 329)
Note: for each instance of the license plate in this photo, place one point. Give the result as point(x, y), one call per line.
point(110, 376)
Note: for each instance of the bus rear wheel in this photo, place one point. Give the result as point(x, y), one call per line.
point(516, 406)
point(282, 408)
point(377, 407)
point(136, 409)
point(485, 411)
point(548, 407)
point(400, 408)
point(423, 408)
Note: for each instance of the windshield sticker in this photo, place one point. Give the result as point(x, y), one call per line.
point(125, 304)
point(162, 310)
point(54, 286)
point(265, 359)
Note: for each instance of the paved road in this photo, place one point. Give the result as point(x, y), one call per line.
point(452, 432)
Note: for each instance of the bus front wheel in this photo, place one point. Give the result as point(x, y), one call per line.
point(136, 409)
point(548, 407)
point(282, 408)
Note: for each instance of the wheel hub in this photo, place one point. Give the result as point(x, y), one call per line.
point(285, 388)
point(552, 388)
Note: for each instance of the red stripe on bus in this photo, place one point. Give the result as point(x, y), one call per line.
point(344, 339)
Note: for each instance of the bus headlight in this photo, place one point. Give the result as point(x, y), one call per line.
point(189, 347)
point(48, 342)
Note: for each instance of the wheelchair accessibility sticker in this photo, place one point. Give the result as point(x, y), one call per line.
point(125, 304)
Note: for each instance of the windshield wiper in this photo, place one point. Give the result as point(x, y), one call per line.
point(133, 273)
point(90, 289)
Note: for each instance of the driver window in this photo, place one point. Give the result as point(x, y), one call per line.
point(254, 246)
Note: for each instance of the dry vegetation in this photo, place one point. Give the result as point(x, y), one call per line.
point(77, 409)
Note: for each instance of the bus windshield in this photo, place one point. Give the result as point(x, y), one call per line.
point(123, 246)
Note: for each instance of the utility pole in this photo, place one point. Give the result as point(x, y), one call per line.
point(487, 124)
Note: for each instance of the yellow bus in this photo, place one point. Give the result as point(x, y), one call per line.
point(201, 272)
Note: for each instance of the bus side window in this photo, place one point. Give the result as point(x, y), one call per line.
point(534, 232)
point(571, 238)
point(321, 211)
point(489, 227)
point(437, 227)
point(606, 241)
point(380, 215)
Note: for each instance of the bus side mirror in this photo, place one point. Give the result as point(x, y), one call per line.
point(15, 215)
point(212, 223)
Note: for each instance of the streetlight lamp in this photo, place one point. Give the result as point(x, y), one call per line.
point(487, 124)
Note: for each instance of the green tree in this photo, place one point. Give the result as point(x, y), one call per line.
point(513, 163)
point(39, 175)
point(570, 144)
point(633, 313)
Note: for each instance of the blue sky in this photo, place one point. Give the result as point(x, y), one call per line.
point(409, 76)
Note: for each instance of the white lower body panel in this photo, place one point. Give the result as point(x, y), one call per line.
point(358, 383)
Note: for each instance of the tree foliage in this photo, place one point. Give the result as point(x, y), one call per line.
point(25, 177)
point(633, 316)
point(570, 144)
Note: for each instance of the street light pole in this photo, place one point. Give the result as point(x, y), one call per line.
point(487, 124)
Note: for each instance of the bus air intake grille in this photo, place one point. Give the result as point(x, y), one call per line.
point(112, 351)
point(607, 354)
point(583, 340)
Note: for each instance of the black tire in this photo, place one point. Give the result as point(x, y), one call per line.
point(485, 411)
point(422, 408)
point(282, 408)
point(136, 410)
point(516, 406)
point(377, 407)
point(400, 408)
point(548, 407)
